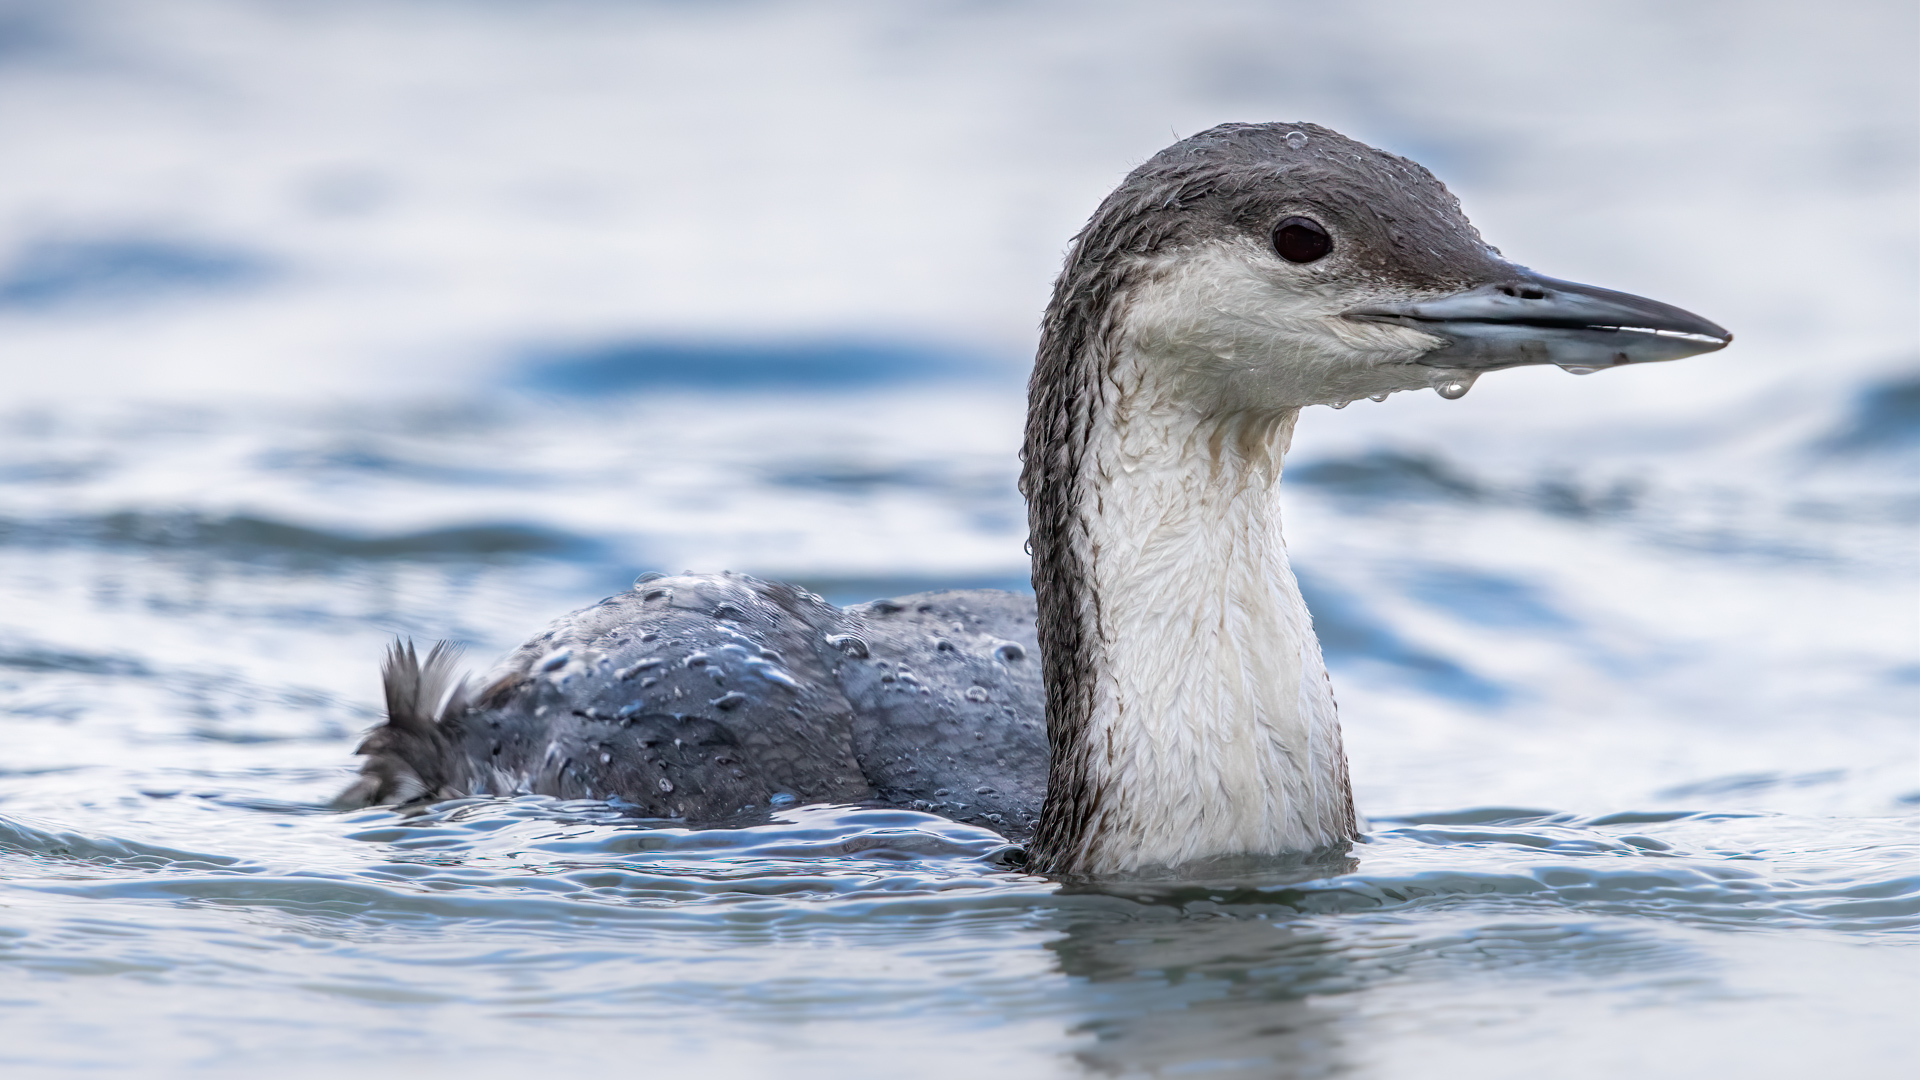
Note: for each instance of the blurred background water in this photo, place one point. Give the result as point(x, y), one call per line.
point(325, 323)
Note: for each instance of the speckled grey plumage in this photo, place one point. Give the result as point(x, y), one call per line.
point(713, 697)
point(948, 713)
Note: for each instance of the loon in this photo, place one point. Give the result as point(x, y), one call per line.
point(1161, 698)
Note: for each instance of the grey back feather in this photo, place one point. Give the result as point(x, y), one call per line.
point(710, 697)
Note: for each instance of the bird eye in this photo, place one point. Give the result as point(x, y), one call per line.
point(1301, 240)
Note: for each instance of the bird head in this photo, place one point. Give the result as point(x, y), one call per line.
point(1280, 265)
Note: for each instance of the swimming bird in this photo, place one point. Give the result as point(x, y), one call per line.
point(1161, 698)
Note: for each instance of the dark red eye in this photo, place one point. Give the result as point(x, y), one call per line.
point(1301, 240)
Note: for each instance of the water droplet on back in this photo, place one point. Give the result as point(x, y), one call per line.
point(1578, 369)
point(1296, 140)
point(848, 644)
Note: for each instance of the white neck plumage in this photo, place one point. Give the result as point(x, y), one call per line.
point(1211, 728)
point(1230, 281)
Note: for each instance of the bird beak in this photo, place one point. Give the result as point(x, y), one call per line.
point(1529, 319)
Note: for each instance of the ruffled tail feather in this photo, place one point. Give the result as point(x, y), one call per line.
point(411, 758)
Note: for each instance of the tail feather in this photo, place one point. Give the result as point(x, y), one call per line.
point(420, 696)
point(412, 756)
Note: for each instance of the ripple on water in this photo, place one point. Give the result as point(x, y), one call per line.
point(528, 859)
point(545, 912)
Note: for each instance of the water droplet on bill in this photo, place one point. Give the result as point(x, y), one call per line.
point(1454, 387)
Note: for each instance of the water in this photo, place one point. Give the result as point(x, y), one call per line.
point(1629, 666)
point(1597, 823)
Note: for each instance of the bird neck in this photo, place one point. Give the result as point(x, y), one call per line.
point(1191, 716)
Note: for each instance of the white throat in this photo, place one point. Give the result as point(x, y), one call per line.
point(1213, 730)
